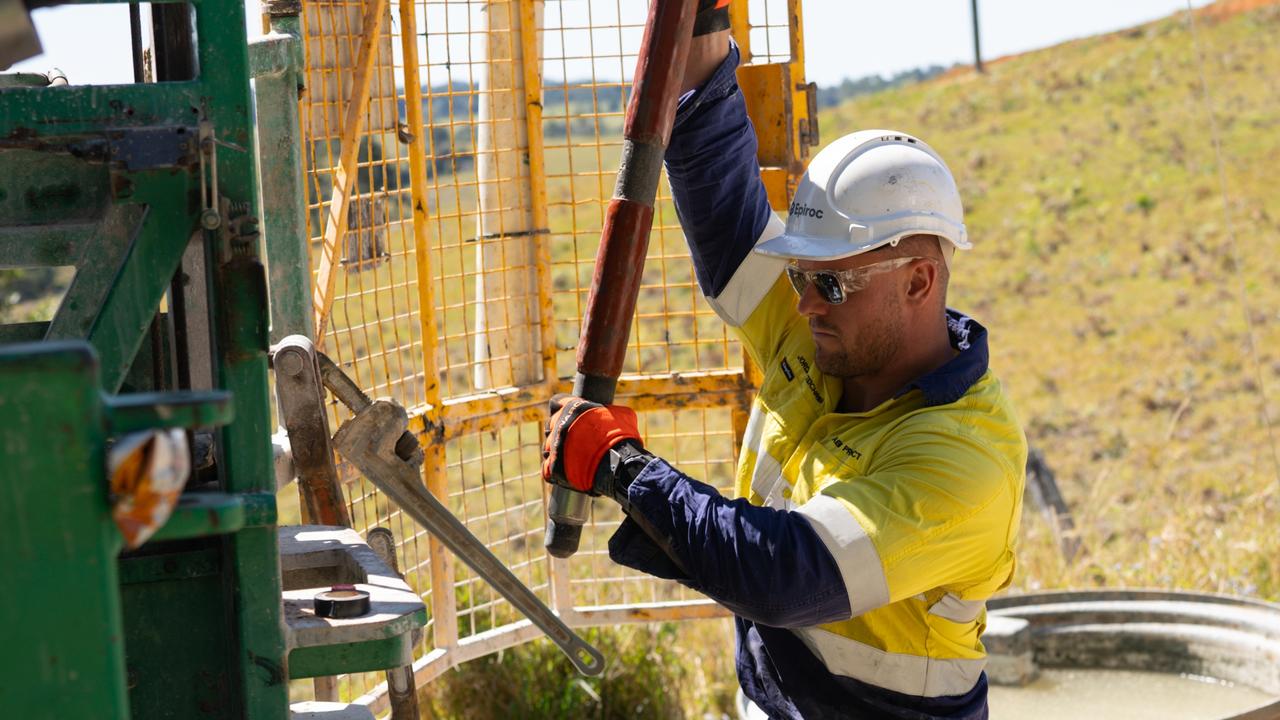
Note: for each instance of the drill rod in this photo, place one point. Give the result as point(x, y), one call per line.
point(624, 241)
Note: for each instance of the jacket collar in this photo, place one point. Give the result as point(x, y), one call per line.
point(952, 380)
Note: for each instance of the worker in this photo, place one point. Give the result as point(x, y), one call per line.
point(880, 479)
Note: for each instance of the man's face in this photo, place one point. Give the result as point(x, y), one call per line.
point(864, 333)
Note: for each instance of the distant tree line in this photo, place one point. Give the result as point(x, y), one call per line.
point(574, 109)
point(867, 84)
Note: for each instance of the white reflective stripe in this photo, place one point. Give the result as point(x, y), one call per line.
point(908, 674)
point(753, 436)
point(954, 609)
point(855, 554)
point(766, 480)
point(752, 280)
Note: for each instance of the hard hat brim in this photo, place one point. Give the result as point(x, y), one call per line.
point(803, 247)
point(810, 247)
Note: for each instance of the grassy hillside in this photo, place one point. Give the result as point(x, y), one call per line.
point(1126, 270)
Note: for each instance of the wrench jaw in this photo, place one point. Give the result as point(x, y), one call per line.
point(372, 435)
point(369, 441)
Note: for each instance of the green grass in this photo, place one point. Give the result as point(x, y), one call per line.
point(1115, 276)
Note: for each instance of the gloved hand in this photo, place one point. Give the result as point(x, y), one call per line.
point(713, 16)
point(580, 435)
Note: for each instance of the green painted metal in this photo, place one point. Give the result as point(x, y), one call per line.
point(30, 113)
point(47, 245)
point(278, 73)
point(271, 55)
point(183, 661)
point(63, 626)
point(200, 644)
point(239, 304)
point(211, 513)
point(23, 332)
point(109, 179)
point(150, 568)
point(127, 413)
point(352, 657)
point(37, 187)
point(98, 263)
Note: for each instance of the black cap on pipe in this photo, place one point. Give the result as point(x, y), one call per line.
point(562, 538)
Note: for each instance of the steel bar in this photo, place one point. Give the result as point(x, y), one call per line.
point(300, 398)
point(443, 609)
point(531, 66)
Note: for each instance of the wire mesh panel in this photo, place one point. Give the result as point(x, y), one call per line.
point(373, 308)
point(470, 220)
point(771, 31)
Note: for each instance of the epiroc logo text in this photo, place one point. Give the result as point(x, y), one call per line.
point(802, 210)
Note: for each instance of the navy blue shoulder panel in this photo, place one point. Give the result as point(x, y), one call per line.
point(763, 564)
point(715, 177)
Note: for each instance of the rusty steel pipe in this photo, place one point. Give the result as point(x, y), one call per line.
point(624, 240)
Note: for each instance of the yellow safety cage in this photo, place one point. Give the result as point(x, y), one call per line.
point(483, 137)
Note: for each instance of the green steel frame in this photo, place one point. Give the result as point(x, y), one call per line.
point(118, 181)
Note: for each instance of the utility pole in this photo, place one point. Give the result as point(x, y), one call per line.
point(977, 43)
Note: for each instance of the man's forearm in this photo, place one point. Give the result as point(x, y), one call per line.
point(706, 52)
point(766, 565)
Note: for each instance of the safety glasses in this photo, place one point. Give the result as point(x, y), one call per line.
point(835, 286)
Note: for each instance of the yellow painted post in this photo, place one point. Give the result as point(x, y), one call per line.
point(531, 62)
point(530, 25)
point(344, 175)
point(795, 33)
point(444, 613)
point(740, 28)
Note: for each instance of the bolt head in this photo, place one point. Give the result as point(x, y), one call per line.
point(289, 363)
point(210, 219)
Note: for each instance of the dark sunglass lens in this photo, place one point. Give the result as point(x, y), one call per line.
point(829, 287)
point(797, 278)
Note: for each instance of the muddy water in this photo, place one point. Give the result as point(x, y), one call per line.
point(1121, 695)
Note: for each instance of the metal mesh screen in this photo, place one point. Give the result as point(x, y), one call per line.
point(521, 106)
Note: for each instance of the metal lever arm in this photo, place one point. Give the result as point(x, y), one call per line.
point(369, 441)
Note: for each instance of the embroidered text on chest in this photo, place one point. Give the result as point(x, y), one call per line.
point(843, 447)
point(808, 379)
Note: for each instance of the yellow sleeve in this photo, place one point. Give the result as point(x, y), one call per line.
point(933, 510)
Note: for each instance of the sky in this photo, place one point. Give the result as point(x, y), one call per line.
point(843, 38)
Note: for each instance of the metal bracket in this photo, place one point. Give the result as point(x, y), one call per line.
point(152, 148)
point(300, 398)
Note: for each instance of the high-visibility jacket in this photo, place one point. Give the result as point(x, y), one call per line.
point(863, 545)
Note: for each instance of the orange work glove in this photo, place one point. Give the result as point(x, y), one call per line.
point(579, 435)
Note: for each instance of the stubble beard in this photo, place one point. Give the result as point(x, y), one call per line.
point(876, 345)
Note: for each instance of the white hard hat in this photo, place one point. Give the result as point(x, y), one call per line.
point(869, 189)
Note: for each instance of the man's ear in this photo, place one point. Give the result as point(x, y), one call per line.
point(922, 282)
